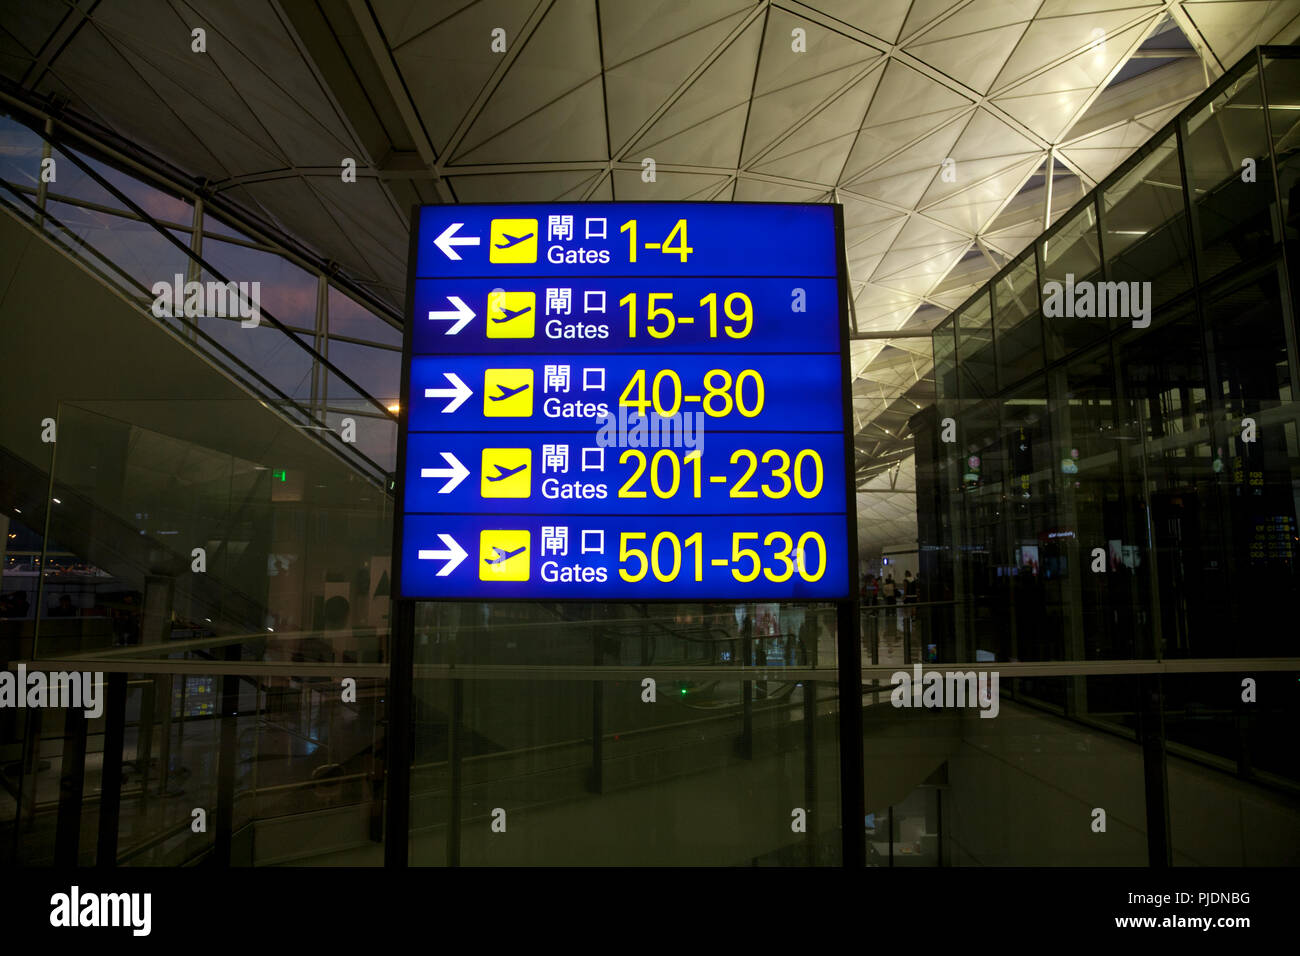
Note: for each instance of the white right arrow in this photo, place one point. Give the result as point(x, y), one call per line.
point(454, 555)
point(454, 475)
point(461, 313)
point(448, 240)
point(458, 394)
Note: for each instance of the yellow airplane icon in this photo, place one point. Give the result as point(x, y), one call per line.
point(503, 555)
point(508, 392)
point(513, 240)
point(506, 473)
point(511, 315)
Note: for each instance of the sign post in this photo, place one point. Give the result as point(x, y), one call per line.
point(629, 402)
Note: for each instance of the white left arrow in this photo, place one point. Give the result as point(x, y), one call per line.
point(454, 475)
point(448, 240)
point(454, 555)
point(461, 313)
point(458, 393)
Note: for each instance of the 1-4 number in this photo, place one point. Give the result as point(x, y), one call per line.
point(674, 245)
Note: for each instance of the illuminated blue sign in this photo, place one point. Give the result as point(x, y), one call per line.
point(640, 401)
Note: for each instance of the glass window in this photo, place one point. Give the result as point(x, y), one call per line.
point(377, 371)
point(158, 204)
point(348, 317)
point(1032, 563)
point(945, 359)
point(73, 182)
point(280, 359)
point(1245, 319)
point(287, 292)
point(1230, 175)
point(1282, 87)
point(20, 154)
point(976, 360)
point(1016, 322)
point(1144, 232)
point(134, 247)
point(213, 226)
point(1070, 257)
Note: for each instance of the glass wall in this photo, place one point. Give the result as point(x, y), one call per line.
point(625, 735)
point(1163, 433)
point(225, 578)
point(1123, 481)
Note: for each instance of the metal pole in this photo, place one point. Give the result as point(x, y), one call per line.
point(227, 755)
point(852, 772)
point(456, 777)
point(72, 784)
point(400, 743)
point(110, 790)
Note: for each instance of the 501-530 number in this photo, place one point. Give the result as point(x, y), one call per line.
point(664, 557)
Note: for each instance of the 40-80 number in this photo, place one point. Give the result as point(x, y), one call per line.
point(717, 399)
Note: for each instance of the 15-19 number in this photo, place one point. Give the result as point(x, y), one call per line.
point(660, 322)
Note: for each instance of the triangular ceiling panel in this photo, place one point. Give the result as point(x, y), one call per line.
point(604, 190)
point(971, 209)
point(774, 115)
point(1232, 28)
point(1093, 34)
point(904, 179)
point(568, 129)
point(987, 146)
point(1048, 114)
point(403, 21)
point(826, 51)
point(561, 56)
point(629, 187)
point(520, 187)
point(639, 86)
point(973, 60)
point(714, 141)
point(974, 42)
point(863, 219)
point(881, 19)
point(917, 246)
point(924, 13)
point(906, 106)
point(629, 30)
point(1011, 242)
point(725, 85)
point(447, 66)
point(817, 150)
point(756, 190)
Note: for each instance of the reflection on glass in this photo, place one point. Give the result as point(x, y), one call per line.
point(1144, 225)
